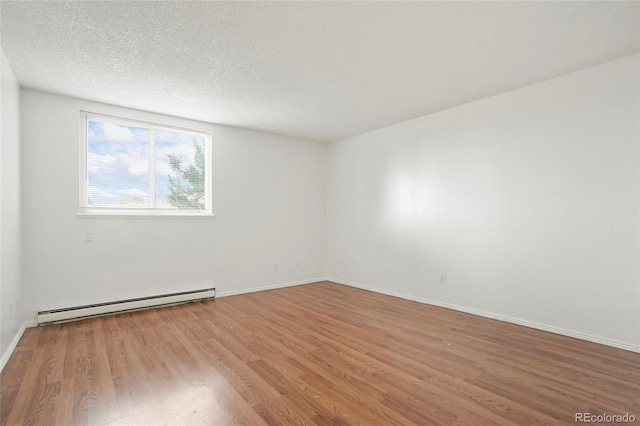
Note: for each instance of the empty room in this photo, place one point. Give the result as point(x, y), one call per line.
point(319, 213)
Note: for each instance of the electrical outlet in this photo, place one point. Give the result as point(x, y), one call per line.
point(298, 264)
point(443, 279)
point(275, 267)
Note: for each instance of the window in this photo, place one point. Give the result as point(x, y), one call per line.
point(136, 168)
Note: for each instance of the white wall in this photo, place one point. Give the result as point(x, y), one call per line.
point(10, 217)
point(268, 201)
point(528, 201)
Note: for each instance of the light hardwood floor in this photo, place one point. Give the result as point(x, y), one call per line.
point(318, 354)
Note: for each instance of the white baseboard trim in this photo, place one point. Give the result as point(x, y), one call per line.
point(267, 287)
point(499, 317)
point(14, 343)
point(89, 311)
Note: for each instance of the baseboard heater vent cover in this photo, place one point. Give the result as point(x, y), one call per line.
point(79, 312)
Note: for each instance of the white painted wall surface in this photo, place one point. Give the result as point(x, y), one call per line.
point(10, 217)
point(268, 201)
point(528, 201)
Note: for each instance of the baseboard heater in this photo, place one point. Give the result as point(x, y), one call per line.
point(81, 312)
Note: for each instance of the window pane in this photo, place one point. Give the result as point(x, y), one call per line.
point(117, 165)
point(180, 170)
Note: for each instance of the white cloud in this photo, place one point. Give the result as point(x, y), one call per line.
point(99, 163)
point(101, 131)
point(133, 192)
point(96, 193)
point(134, 162)
point(111, 197)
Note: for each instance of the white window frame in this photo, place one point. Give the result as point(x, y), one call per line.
point(90, 211)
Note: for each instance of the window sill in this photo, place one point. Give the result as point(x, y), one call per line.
point(142, 214)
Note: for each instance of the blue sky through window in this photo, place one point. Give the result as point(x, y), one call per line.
point(118, 163)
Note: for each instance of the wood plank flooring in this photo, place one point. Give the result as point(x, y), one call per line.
point(318, 354)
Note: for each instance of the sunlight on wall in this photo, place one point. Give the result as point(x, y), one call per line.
point(409, 203)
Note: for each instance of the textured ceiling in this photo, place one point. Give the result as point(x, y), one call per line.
point(320, 71)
